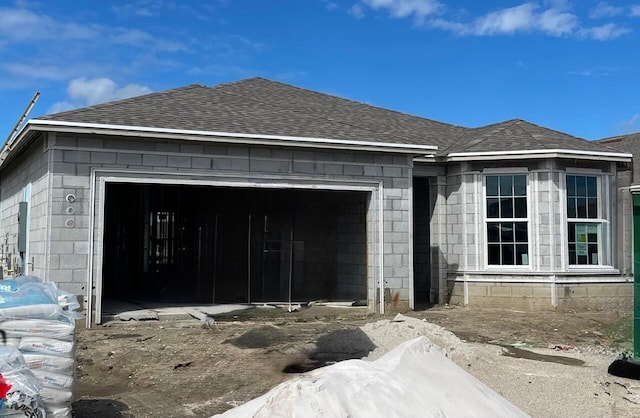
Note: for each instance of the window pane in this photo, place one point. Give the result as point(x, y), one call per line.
point(506, 232)
point(521, 232)
point(592, 233)
point(581, 186)
point(593, 254)
point(572, 254)
point(493, 208)
point(521, 207)
point(519, 185)
point(522, 254)
point(571, 207)
point(506, 184)
point(506, 208)
point(592, 208)
point(592, 187)
point(571, 185)
point(583, 243)
point(507, 254)
point(494, 254)
point(493, 232)
point(492, 185)
point(582, 207)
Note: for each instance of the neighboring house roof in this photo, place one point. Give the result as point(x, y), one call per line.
point(626, 143)
point(257, 109)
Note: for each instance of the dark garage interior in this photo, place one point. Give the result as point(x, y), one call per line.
point(205, 244)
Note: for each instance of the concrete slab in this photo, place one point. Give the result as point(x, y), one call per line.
point(138, 315)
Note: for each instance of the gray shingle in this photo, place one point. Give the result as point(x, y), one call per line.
point(264, 107)
point(520, 135)
point(626, 143)
point(259, 106)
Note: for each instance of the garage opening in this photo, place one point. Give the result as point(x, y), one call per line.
point(204, 244)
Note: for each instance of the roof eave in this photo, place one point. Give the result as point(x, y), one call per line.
point(542, 153)
point(227, 137)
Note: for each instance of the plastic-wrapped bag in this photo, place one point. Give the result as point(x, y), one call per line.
point(19, 388)
point(61, 328)
point(28, 297)
point(47, 362)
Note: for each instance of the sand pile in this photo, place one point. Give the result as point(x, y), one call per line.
point(414, 379)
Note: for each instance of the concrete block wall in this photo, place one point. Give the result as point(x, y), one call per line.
point(27, 181)
point(351, 249)
point(455, 205)
point(397, 212)
point(610, 296)
point(624, 230)
point(74, 157)
point(521, 296)
point(438, 239)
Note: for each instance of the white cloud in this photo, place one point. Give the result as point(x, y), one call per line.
point(61, 107)
point(21, 25)
point(631, 125)
point(523, 18)
point(604, 9)
point(583, 73)
point(88, 92)
point(357, 11)
point(406, 8)
point(506, 20)
point(529, 17)
point(100, 90)
point(133, 37)
point(37, 71)
point(557, 23)
point(604, 32)
point(635, 10)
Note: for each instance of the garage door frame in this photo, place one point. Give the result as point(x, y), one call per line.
point(100, 177)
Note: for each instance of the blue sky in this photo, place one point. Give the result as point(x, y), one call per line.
point(568, 65)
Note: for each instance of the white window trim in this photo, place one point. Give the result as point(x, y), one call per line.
point(485, 244)
point(604, 254)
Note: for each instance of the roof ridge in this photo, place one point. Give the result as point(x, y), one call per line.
point(532, 135)
point(334, 97)
point(483, 137)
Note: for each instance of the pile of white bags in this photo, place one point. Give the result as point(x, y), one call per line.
point(39, 320)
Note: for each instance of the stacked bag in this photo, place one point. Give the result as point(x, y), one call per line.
point(38, 320)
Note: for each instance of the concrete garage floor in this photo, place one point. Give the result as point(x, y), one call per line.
point(120, 310)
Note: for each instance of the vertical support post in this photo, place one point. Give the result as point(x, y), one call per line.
point(636, 276)
point(249, 262)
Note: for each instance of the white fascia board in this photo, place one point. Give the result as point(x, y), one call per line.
point(635, 188)
point(212, 136)
point(542, 153)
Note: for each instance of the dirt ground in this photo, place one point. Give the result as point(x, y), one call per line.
point(183, 368)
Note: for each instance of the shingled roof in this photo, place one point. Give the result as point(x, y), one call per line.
point(626, 143)
point(518, 134)
point(263, 107)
